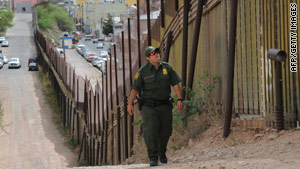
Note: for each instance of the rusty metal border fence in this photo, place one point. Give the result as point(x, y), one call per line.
point(96, 115)
point(261, 25)
point(95, 118)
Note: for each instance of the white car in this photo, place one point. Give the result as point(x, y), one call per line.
point(4, 59)
point(101, 66)
point(1, 64)
point(4, 43)
point(79, 47)
point(104, 54)
point(2, 39)
point(14, 63)
point(100, 45)
point(60, 52)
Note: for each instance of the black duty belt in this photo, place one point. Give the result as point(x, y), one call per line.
point(153, 102)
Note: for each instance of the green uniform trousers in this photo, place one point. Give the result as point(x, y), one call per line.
point(157, 128)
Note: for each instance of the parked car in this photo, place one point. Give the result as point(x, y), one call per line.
point(96, 61)
point(84, 52)
point(1, 64)
point(4, 59)
point(100, 45)
point(79, 47)
point(32, 66)
point(103, 54)
point(14, 63)
point(60, 52)
point(91, 56)
point(88, 38)
point(4, 43)
point(95, 40)
point(32, 59)
point(66, 34)
point(2, 39)
point(101, 66)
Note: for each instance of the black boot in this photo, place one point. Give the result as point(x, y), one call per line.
point(163, 159)
point(153, 162)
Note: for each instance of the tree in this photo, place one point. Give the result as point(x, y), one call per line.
point(108, 25)
point(6, 16)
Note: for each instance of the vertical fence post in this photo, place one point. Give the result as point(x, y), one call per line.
point(130, 82)
point(176, 5)
point(138, 33)
point(117, 105)
point(95, 141)
point(124, 99)
point(103, 118)
point(168, 46)
point(106, 121)
point(230, 67)
point(90, 126)
point(185, 43)
point(162, 13)
point(195, 43)
point(99, 125)
point(112, 116)
point(148, 22)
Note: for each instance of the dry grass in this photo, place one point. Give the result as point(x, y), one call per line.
point(197, 125)
point(53, 34)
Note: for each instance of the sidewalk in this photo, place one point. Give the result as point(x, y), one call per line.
point(82, 67)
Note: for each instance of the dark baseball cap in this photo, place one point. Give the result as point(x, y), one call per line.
point(149, 50)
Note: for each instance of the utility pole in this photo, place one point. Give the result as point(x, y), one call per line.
point(69, 7)
point(13, 5)
point(63, 45)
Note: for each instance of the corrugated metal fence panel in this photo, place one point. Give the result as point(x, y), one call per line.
point(247, 79)
point(298, 61)
point(262, 25)
point(276, 34)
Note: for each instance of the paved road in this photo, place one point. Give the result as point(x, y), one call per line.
point(33, 140)
point(93, 46)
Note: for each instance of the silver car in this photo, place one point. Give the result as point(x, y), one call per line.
point(14, 63)
point(4, 43)
point(96, 61)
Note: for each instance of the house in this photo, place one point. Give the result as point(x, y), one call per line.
point(95, 13)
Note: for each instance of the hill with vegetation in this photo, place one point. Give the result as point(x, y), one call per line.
point(53, 20)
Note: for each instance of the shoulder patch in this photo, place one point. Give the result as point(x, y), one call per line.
point(165, 72)
point(137, 75)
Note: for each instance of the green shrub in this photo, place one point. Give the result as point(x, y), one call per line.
point(50, 14)
point(198, 99)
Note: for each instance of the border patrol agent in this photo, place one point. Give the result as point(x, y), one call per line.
point(154, 80)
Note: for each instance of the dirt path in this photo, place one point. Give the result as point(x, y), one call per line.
point(251, 149)
point(32, 141)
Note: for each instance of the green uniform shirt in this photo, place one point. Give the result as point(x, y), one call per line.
point(155, 84)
